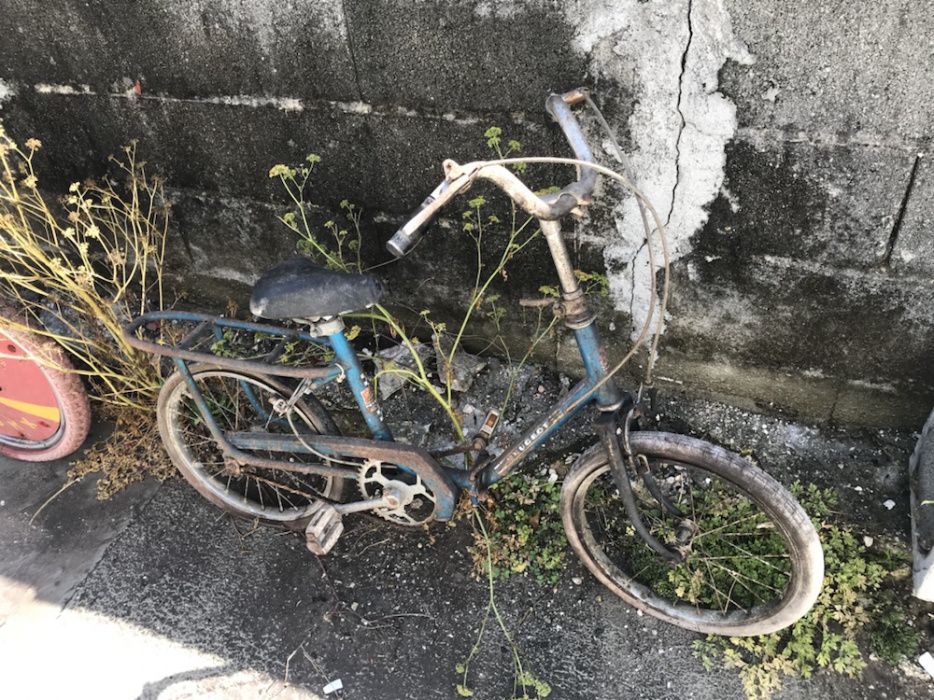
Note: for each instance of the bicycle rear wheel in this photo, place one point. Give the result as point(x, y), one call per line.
point(44, 410)
point(753, 563)
point(243, 402)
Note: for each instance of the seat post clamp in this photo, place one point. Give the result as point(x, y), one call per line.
point(321, 327)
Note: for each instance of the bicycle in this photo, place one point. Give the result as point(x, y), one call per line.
point(677, 527)
point(45, 413)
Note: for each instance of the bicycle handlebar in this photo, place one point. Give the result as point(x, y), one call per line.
point(580, 191)
point(549, 207)
point(410, 233)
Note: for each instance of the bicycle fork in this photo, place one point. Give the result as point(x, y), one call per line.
point(620, 458)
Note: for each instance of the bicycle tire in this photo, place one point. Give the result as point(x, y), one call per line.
point(788, 521)
point(54, 431)
point(172, 430)
point(921, 475)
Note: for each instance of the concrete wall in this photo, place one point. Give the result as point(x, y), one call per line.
point(781, 140)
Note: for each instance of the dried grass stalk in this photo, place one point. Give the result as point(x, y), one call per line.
point(81, 268)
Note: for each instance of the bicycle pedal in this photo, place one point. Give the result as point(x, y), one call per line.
point(324, 528)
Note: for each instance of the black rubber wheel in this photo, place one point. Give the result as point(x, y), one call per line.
point(242, 402)
point(753, 563)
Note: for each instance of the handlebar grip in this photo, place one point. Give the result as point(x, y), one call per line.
point(411, 233)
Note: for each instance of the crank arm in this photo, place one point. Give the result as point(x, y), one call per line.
point(342, 448)
point(390, 499)
point(606, 427)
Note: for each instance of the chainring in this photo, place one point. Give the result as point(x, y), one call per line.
point(418, 504)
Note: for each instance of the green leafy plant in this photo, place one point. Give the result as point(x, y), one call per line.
point(829, 636)
point(524, 680)
point(525, 534)
point(338, 245)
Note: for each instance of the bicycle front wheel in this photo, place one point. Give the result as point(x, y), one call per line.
point(243, 402)
point(752, 561)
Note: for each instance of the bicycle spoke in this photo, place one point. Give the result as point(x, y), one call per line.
point(238, 403)
point(733, 563)
point(738, 577)
point(750, 555)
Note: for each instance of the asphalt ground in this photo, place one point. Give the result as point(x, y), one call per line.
point(155, 594)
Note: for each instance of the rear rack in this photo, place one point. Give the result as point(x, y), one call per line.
point(206, 327)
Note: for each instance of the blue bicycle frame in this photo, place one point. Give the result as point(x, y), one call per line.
point(444, 480)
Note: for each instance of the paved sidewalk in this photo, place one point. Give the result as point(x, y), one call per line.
point(155, 594)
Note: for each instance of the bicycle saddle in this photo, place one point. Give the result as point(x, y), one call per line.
point(297, 288)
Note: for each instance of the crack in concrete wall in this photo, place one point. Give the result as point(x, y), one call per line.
point(679, 126)
point(684, 64)
point(897, 225)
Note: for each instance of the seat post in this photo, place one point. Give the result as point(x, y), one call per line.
point(360, 385)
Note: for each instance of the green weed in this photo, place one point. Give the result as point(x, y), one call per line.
point(852, 608)
point(525, 531)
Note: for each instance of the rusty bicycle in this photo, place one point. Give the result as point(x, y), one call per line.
point(677, 527)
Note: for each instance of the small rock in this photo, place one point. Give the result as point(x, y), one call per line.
point(867, 540)
point(577, 580)
point(888, 504)
point(399, 356)
point(333, 687)
point(771, 94)
point(927, 663)
point(463, 368)
point(541, 388)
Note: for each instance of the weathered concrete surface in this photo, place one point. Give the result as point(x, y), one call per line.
point(834, 69)
point(420, 54)
point(182, 49)
point(170, 599)
point(780, 143)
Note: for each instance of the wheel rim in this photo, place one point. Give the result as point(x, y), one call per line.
point(241, 403)
point(31, 415)
point(739, 566)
